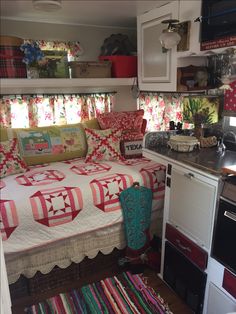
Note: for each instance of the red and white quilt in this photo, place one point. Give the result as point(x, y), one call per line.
point(63, 199)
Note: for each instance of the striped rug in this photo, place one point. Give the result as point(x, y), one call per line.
point(125, 293)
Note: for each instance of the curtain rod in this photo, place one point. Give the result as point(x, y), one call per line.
point(189, 93)
point(56, 94)
point(185, 94)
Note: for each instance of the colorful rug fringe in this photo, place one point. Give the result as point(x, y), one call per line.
point(125, 293)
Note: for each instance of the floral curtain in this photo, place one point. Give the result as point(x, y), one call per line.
point(160, 109)
point(43, 110)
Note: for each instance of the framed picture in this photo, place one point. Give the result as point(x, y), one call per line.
point(55, 64)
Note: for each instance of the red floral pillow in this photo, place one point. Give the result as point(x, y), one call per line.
point(124, 120)
point(103, 145)
point(10, 159)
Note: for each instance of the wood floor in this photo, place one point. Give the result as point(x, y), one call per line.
point(175, 303)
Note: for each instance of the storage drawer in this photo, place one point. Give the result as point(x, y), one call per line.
point(229, 282)
point(191, 250)
point(184, 277)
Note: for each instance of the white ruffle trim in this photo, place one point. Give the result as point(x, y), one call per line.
point(75, 249)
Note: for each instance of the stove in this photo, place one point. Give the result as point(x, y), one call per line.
point(229, 189)
point(223, 246)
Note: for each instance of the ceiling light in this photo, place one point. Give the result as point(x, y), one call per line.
point(47, 5)
point(170, 37)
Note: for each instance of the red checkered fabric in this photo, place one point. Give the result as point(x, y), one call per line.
point(11, 65)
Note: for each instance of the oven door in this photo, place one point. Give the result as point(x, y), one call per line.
point(224, 241)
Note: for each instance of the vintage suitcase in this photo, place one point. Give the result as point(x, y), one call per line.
point(91, 69)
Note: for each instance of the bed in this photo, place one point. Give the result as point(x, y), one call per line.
point(61, 212)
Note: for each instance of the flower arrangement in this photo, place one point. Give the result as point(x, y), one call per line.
point(33, 53)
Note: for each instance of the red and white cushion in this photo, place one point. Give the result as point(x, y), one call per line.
point(10, 159)
point(124, 120)
point(103, 145)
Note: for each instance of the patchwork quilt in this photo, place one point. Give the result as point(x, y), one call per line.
point(55, 201)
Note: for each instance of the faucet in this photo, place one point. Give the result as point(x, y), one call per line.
point(220, 146)
point(230, 134)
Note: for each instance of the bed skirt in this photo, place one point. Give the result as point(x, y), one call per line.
point(63, 253)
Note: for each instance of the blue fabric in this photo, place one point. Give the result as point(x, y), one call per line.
point(136, 203)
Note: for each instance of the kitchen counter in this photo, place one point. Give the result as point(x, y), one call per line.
point(205, 159)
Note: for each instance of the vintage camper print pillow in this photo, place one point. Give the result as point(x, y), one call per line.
point(50, 144)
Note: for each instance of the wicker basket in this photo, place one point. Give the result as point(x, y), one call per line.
point(183, 143)
point(90, 69)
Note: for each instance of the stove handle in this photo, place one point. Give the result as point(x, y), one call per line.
point(230, 215)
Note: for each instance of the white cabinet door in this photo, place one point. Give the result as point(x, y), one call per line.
point(191, 205)
point(218, 302)
point(156, 69)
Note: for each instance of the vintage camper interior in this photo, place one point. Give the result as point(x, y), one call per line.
point(118, 155)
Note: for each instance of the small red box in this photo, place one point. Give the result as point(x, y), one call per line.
point(122, 66)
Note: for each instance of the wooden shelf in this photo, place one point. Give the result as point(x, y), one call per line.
point(62, 85)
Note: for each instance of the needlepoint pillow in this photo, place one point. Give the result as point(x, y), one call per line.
point(10, 159)
point(103, 145)
point(53, 143)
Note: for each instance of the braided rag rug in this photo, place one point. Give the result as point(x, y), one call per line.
point(125, 293)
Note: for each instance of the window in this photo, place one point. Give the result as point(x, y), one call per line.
point(232, 121)
point(44, 110)
point(160, 109)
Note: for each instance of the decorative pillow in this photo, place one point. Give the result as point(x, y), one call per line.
point(53, 143)
point(10, 159)
point(131, 144)
point(144, 125)
point(131, 135)
point(131, 148)
point(6, 134)
point(103, 145)
point(131, 120)
point(92, 124)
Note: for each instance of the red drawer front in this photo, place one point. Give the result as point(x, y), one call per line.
point(191, 250)
point(229, 282)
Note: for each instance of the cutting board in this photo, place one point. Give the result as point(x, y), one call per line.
point(229, 170)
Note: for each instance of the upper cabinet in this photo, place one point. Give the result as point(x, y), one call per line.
point(156, 69)
point(190, 11)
